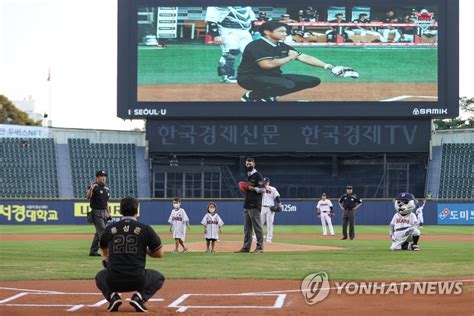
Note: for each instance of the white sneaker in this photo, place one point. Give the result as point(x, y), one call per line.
point(228, 79)
point(269, 241)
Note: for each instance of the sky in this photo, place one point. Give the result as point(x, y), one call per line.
point(76, 40)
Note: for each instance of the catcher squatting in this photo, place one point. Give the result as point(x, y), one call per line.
point(259, 71)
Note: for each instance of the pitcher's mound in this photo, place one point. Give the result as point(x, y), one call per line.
point(231, 246)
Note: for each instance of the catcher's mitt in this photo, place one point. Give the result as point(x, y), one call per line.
point(276, 208)
point(343, 72)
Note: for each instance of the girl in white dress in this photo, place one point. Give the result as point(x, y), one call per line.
point(178, 221)
point(212, 226)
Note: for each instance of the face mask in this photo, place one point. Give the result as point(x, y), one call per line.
point(250, 168)
point(212, 210)
point(176, 205)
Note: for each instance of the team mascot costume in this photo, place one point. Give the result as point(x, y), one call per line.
point(404, 225)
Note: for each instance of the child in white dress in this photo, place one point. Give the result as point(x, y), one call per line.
point(178, 221)
point(212, 226)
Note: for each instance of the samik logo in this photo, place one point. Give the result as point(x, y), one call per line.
point(315, 287)
point(417, 111)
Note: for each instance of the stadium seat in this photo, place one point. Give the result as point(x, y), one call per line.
point(117, 159)
point(457, 171)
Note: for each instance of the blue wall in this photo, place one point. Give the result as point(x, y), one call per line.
point(296, 212)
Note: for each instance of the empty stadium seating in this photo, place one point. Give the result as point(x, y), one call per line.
point(457, 171)
point(118, 160)
point(28, 168)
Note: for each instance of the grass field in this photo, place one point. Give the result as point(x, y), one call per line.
point(181, 64)
point(361, 259)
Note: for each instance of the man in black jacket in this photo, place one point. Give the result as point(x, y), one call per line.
point(252, 207)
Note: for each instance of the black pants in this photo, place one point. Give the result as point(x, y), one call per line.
point(252, 221)
point(147, 286)
point(99, 218)
point(273, 86)
point(348, 217)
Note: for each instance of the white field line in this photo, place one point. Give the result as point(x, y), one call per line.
point(99, 303)
point(75, 308)
point(388, 283)
point(179, 300)
point(280, 300)
point(14, 297)
point(28, 290)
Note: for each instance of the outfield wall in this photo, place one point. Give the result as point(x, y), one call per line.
point(296, 212)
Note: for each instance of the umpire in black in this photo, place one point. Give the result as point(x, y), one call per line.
point(125, 245)
point(99, 195)
point(349, 203)
point(252, 207)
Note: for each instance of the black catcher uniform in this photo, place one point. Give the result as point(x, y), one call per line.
point(128, 241)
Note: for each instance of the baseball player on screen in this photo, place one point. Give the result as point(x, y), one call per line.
point(325, 211)
point(260, 73)
point(230, 28)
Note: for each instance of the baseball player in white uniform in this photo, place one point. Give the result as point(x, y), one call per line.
point(325, 211)
point(212, 223)
point(270, 198)
point(404, 225)
point(419, 213)
point(230, 28)
point(178, 221)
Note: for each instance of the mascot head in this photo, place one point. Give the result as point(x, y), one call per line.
point(405, 203)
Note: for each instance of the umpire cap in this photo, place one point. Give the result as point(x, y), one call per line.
point(100, 173)
point(405, 196)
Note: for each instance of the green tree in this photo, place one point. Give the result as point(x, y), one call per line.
point(9, 114)
point(466, 104)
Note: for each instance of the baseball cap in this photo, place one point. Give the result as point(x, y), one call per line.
point(266, 180)
point(405, 196)
point(348, 186)
point(100, 173)
point(324, 194)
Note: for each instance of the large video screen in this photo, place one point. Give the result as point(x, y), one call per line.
point(298, 59)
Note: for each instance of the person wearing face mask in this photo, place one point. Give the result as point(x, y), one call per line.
point(252, 206)
point(212, 226)
point(178, 221)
